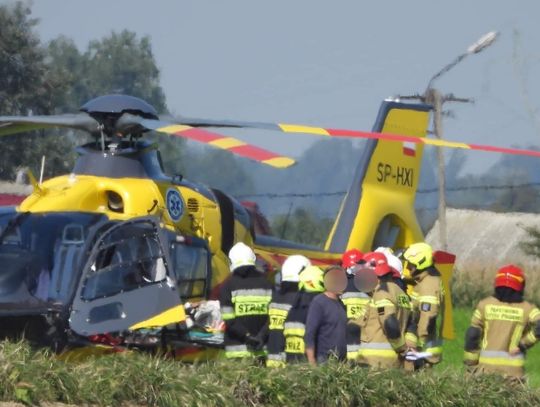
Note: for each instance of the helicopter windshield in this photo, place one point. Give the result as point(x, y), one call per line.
point(40, 256)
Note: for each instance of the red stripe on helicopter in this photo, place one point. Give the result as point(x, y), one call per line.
point(253, 152)
point(371, 135)
point(514, 151)
point(199, 135)
point(417, 140)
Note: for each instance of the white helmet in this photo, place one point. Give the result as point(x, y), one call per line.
point(384, 250)
point(293, 266)
point(395, 263)
point(241, 255)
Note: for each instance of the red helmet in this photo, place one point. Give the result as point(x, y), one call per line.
point(510, 276)
point(351, 258)
point(379, 262)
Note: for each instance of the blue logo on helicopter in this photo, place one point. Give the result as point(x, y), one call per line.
point(175, 205)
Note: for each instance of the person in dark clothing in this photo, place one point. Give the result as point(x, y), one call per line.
point(311, 284)
point(282, 300)
point(244, 300)
point(326, 325)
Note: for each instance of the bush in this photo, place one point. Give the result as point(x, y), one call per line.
point(467, 291)
point(470, 287)
point(37, 376)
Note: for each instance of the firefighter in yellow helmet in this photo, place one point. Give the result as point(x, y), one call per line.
point(383, 338)
point(244, 300)
point(503, 327)
point(427, 300)
point(311, 284)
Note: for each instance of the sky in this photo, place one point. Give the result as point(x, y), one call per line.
point(328, 63)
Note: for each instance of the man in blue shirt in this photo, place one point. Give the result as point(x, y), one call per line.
point(326, 324)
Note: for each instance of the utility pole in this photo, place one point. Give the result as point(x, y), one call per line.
point(433, 97)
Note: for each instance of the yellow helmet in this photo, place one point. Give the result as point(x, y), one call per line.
point(312, 280)
point(420, 255)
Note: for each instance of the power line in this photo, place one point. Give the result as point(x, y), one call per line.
point(292, 195)
point(420, 191)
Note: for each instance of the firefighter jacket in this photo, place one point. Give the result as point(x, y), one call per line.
point(295, 327)
point(282, 301)
point(355, 304)
point(383, 326)
point(496, 329)
point(427, 300)
point(244, 300)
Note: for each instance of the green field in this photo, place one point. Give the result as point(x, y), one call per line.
point(453, 350)
point(33, 376)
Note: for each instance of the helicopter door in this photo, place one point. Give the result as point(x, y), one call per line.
point(126, 282)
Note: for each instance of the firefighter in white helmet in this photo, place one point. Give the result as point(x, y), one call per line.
point(282, 300)
point(244, 299)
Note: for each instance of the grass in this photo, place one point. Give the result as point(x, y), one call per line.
point(36, 376)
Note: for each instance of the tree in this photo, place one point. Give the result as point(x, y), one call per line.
point(218, 169)
point(123, 63)
point(66, 62)
point(26, 87)
point(58, 78)
point(518, 199)
point(302, 226)
point(531, 247)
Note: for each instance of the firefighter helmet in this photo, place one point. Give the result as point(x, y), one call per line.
point(351, 258)
point(510, 276)
point(312, 280)
point(293, 266)
point(378, 262)
point(241, 255)
point(395, 264)
point(419, 255)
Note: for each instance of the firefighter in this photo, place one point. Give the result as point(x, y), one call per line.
point(427, 303)
point(282, 300)
point(503, 327)
point(354, 300)
point(383, 327)
point(311, 284)
point(395, 264)
point(244, 300)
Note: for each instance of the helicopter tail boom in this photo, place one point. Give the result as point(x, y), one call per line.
point(378, 209)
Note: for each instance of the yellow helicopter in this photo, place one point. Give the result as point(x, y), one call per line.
point(105, 258)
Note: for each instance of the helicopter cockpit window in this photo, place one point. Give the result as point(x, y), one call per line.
point(40, 255)
point(191, 270)
point(129, 258)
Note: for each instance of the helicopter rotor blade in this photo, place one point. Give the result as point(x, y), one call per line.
point(129, 123)
point(344, 133)
point(20, 124)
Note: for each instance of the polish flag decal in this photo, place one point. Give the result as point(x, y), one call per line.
point(409, 149)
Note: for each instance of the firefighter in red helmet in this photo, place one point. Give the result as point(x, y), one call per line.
point(383, 343)
point(503, 327)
